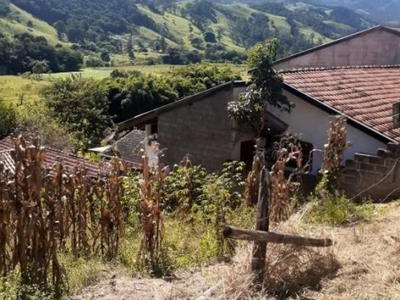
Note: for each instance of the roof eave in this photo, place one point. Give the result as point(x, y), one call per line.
point(329, 109)
point(140, 119)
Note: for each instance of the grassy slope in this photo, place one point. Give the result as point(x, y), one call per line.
point(179, 26)
point(16, 22)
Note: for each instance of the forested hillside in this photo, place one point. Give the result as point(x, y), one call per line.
point(378, 10)
point(174, 32)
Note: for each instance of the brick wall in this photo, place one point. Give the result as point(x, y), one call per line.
point(365, 171)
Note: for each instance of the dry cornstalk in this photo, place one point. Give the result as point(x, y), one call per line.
point(334, 150)
point(44, 210)
point(281, 186)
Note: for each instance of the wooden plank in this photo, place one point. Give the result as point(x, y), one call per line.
point(271, 237)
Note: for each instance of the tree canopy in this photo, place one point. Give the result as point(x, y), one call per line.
point(26, 53)
point(133, 93)
point(81, 105)
point(265, 89)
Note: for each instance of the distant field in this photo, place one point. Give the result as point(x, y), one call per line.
point(14, 89)
point(152, 69)
point(17, 89)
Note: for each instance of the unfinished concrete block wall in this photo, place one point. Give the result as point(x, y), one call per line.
point(376, 176)
point(201, 129)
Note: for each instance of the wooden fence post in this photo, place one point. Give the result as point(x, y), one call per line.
point(262, 217)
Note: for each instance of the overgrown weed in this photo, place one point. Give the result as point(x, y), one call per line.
point(80, 272)
point(334, 208)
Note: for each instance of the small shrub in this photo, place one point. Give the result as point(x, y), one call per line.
point(334, 208)
point(337, 211)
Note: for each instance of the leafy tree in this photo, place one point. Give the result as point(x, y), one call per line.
point(132, 93)
point(69, 60)
point(129, 47)
point(36, 119)
point(163, 44)
point(40, 66)
point(193, 57)
point(18, 55)
point(265, 89)
point(4, 7)
point(81, 105)
point(8, 119)
point(104, 56)
point(209, 37)
point(197, 43)
point(61, 28)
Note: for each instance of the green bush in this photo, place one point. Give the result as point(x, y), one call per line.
point(8, 119)
point(196, 205)
point(335, 209)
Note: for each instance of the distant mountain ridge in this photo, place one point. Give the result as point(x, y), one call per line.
point(218, 30)
point(387, 11)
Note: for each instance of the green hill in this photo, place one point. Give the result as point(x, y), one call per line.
point(18, 21)
point(172, 31)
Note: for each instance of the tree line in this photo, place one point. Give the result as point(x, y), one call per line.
point(84, 110)
point(26, 53)
point(4, 7)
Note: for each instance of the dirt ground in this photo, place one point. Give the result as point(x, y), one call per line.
point(368, 255)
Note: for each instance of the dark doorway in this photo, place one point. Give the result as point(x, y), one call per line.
point(247, 149)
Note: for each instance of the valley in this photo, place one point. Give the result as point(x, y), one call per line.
point(112, 33)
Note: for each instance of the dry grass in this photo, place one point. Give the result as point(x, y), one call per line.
point(370, 258)
point(289, 271)
point(368, 255)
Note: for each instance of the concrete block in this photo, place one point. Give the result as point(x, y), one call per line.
point(384, 153)
point(351, 164)
point(376, 160)
point(367, 167)
point(382, 169)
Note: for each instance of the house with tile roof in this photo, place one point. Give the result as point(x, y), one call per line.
point(199, 125)
point(359, 77)
point(53, 156)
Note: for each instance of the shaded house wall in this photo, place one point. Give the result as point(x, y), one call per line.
point(203, 130)
point(377, 46)
point(312, 123)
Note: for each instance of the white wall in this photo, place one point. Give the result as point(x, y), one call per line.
point(311, 123)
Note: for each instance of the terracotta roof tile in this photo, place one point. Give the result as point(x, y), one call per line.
point(364, 93)
point(70, 161)
point(7, 161)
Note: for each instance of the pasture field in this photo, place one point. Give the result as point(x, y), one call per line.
point(21, 89)
point(18, 90)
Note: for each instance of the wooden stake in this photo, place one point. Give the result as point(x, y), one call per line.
point(271, 237)
point(262, 218)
